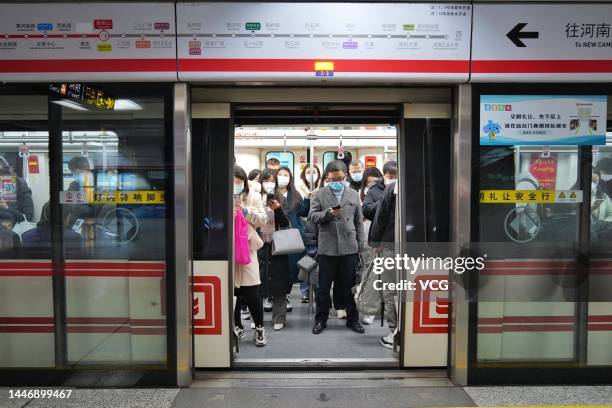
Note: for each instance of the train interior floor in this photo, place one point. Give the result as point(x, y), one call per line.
point(337, 343)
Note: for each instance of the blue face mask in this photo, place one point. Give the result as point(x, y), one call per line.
point(238, 188)
point(357, 176)
point(336, 185)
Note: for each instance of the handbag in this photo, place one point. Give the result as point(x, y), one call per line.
point(306, 265)
point(287, 241)
point(242, 248)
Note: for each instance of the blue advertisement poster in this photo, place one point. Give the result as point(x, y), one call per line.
point(543, 119)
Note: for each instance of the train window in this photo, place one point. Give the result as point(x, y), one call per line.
point(113, 199)
point(25, 248)
point(286, 159)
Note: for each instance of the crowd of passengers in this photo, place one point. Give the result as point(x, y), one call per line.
point(344, 215)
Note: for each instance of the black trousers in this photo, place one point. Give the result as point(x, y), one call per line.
point(341, 271)
point(250, 296)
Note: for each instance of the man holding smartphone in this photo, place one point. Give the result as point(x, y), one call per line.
point(336, 210)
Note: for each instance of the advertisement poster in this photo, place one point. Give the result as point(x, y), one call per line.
point(544, 169)
point(543, 119)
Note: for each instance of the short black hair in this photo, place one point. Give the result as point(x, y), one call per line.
point(79, 163)
point(605, 164)
point(390, 167)
point(273, 161)
point(241, 174)
point(6, 216)
point(266, 174)
point(335, 165)
point(253, 174)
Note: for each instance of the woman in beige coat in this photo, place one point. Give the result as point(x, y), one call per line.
point(246, 277)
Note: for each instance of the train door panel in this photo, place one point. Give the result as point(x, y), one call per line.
point(212, 289)
point(425, 167)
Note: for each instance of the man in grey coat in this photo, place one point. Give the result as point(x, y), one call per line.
point(336, 210)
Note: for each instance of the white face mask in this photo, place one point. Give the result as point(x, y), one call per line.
point(268, 186)
point(606, 177)
point(256, 186)
point(283, 181)
point(388, 181)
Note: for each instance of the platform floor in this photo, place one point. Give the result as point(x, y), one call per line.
point(325, 390)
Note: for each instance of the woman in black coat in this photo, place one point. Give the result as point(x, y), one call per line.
point(273, 269)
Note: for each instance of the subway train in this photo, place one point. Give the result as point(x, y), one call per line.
point(121, 124)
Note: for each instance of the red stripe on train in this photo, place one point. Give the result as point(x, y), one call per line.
point(308, 65)
point(89, 65)
point(541, 66)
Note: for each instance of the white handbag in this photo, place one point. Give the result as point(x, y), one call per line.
point(287, 241)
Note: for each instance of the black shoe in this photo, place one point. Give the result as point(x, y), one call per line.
point(305, 299)
point(319, 327)
point(354, 326)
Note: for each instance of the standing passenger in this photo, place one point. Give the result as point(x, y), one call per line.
point(295, 207)
point(382, 240)
point(246, 280)
point(311, 177)
point(337, 212)
point(356, 174)
point(273, 269)
point(370, 176)
point(273, 164)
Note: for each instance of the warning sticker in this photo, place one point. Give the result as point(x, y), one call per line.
point(113, 197)
point(530, 196)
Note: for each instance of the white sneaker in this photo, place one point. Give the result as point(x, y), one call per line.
point(268, 305)
point(289, 307)
point(245, 315)
point(279, 326)
point(252, 325)
point(341, 314)
point(367, 319)
point(260, 337)
point(387, 341)
point(240, 333)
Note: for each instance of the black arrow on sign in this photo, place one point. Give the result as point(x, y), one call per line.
point(515, 35)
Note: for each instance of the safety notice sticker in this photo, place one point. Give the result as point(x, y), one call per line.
point(530, 196)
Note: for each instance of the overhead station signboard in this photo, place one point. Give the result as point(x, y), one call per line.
point(542, 42)
point(324, 41)
point(88, 41)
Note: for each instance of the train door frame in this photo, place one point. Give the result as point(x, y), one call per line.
point(214, 114)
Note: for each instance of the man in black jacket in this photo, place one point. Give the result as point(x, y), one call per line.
point(375, 191)
point(382, 240)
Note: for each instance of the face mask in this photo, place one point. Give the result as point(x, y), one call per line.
point(358, 176)
point(389, 181)
point(283, 181)
point(593, 186)
point(268, 186)
point(238, 188)
point(256, 186)
point(337, 185)
point(606, 177)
